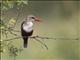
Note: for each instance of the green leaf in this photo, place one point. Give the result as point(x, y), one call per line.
point(4, 8)
point(19, 2)
point(25, 2)
point(7, 4)
point(10, 5)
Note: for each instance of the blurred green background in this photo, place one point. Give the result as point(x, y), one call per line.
point(60, 19)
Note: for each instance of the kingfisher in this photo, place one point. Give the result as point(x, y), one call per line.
point(27, 28)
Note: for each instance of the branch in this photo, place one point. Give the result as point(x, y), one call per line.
point(34, 37)
point(43, 38)
point(11, 31)
point(18, 15)
point(55, 38)
point(41, 43)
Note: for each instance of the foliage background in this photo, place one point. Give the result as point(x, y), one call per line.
point(60, 19)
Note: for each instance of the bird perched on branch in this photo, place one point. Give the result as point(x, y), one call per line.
point(27, 28)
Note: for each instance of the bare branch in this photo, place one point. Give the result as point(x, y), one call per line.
point(44, 38)
point(55, 38)
point(34, 37)
point(41, 43)
point(11, 31)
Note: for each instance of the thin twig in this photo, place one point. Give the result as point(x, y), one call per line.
point(41, 43)
point(11, 31)
point(37, 43)
point(55, 38)
point(19, 12)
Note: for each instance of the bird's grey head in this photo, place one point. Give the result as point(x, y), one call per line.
point(32, 18)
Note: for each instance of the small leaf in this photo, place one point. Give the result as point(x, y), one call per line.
point(1, 40)
point(4, 8)
point(19, 2)
point(25, 2)
point(12, 21)
point(10, 5)
point(2, 27)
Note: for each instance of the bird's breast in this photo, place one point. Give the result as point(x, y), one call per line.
point(28, 27)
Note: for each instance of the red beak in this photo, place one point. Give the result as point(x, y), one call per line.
point(37, 19)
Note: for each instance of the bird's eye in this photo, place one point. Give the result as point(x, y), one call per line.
point(32, 17)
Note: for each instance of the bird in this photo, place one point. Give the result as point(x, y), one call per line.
point(27, 28)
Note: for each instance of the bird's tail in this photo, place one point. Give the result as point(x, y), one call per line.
point(25, 42)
